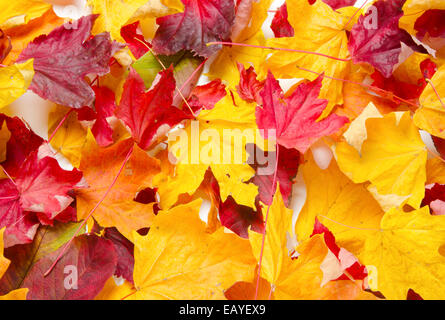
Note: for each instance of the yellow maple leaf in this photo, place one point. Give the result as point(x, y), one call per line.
point(321, 30)
point(14, 81)
point(178, 259)
point(431, 115)
point(100, 167)
point(194, 160)
point(392, 158)
point(336, 201)
point(408, 253)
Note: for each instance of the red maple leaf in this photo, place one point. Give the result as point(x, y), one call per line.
point(435, 198)
point(147, 112)
point(64, 57)
point(201, 22)
point(40, 187)
point(295, 118)
point(378, 42)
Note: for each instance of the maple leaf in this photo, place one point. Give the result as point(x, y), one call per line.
point(391, 250)
point(320, 31)
point(64, 57)
point(392, 158)
point(42, 187)
point(149, 114)
point(201, 22)
point(118, 209)
point(380, 46)
point(295, 118)
point(167, 265)
point(280, 25)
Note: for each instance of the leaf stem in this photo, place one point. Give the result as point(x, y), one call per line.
point(65, 247)
point(274, 180)
point(275, 48)
point(377, 89)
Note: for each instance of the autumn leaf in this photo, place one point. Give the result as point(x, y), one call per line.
point(147, 113)
point(295, 118)
point(99, 167)
point(390, 250)
point(172, 261)
point(392, 158)
point(60, 72)
point(201, 22)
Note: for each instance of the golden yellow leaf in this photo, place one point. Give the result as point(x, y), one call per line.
point(100, 167)
point(14, 81)
point(178, 259)
point(232, 173)
point(407, 252)
point(392, 158)
point(320, 29)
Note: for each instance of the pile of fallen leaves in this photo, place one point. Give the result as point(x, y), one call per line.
point(353, 208)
